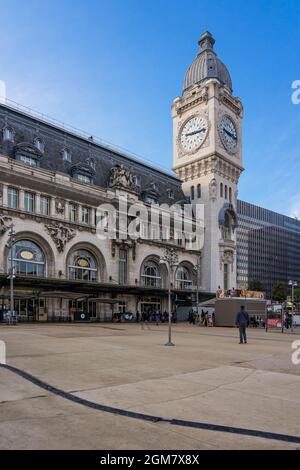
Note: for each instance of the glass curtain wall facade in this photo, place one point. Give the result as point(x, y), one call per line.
point(268, 247)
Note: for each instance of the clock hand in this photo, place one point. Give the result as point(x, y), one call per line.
point(229, 133)
point(195, 132)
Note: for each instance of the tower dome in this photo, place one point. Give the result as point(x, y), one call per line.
point(206, 65)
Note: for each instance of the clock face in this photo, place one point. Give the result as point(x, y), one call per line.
point(193, 133)
point(228, 133)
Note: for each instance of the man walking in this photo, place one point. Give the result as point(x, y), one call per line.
point(242, 321)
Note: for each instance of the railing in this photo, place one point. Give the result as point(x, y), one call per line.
point(8, 103)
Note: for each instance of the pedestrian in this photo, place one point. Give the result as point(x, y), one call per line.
point(137, 316)
point(145, 319)
point(242, 321)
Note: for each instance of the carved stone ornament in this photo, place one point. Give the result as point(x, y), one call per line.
point(213, 189)
point(60, 206)
point(60, 234)
point(120, 177)
point(5, 223)
point(227, 257)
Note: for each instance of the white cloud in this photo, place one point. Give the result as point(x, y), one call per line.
point(295, 209)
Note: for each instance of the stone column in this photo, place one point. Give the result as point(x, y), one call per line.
point(38, 203)
point(79, 214)
point(22, 199)
point(5, 195)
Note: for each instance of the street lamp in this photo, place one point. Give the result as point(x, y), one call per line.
point(170, 258)
point(197, 268)
point(10, 244)
point(293, 284)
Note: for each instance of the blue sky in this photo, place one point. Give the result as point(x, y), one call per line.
point(113, 67)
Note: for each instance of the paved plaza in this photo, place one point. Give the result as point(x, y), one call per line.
point(207, 377)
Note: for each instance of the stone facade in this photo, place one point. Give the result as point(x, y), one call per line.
point(213, 165)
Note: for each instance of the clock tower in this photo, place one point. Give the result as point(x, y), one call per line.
point(207, 157)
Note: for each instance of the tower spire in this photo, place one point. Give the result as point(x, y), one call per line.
point(206, 41)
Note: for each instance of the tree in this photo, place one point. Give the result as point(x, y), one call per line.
point(279, 292)
point(297, 299)
point(256, 286)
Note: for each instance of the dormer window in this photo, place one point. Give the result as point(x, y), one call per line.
point(92, 163)
point(28, 153)
point(136, 180)
point(66, 155)
point(39, 145)
point(170, 193)
point(28, 160)
point(154, 186)
point(150, 200)
point(83, 178)
point(8, 134)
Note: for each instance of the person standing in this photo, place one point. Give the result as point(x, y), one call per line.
point(242, 321)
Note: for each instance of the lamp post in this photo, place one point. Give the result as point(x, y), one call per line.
point(170, 258)
point(293, 284)
point(197, 268)
point(10, 244)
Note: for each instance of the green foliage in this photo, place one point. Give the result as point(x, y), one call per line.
point(256, 285)
point(279, 292)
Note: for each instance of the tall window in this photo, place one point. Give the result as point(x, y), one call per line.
point(85, 215)
point(137, 180)
point(92, 163)
point(13, 198)
point(72, 212)
point(83, 266)
point(198, 191)
point(183, 278)
point(123, 266)
point(29, 202)
point(28, 258)
point(226, 192)
point(226, 283)
point(44, 205)
point(221, 189)
point(192, 192)
point(66, 155)
point(230, 195)
point(8, 134)
point(150, 275)
point(39, 145)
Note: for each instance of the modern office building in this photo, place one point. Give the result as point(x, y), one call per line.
point(268, 247)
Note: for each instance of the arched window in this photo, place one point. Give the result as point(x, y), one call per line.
point(39, 144)
point(28, 259)
point(8, 134)
point(198, 191)
point(92, 163)
point(183, 278)
point(150, 276)
point(66, 155)
point(227, 227)
point(192, 192)
point(221, 189)
point(83, 266)
point(226, 191)
point(230, 195)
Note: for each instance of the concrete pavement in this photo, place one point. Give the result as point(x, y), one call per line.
point(206, 377)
